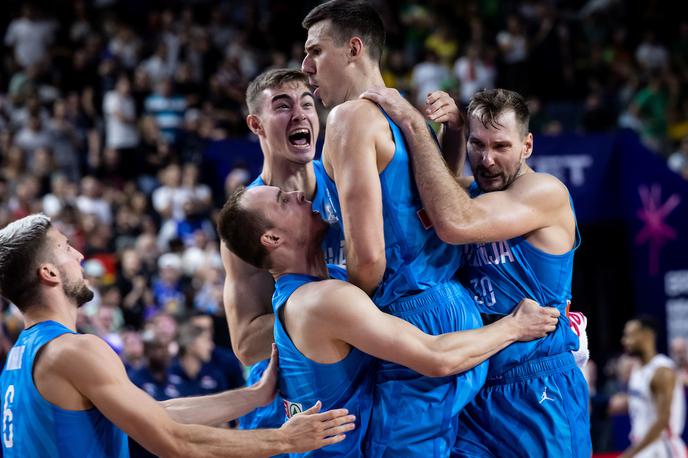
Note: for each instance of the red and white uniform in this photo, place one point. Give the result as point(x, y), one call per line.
point(643, 411)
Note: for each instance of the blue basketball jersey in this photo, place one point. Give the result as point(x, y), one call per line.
point(501, 274)
point(345, 384)
point(32, 426)
point(333, 247)
point(417, 259)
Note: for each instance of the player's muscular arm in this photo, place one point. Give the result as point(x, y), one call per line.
point(96, 372)
point(349, 315)
point(350, 145)
point(248, 306)
point(662, 387)
point(456, 217)
point(534, 201)
point(219, 408)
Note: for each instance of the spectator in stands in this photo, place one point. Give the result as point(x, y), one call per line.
point(65, 142)
point(91, 202)
point(474, 72)
point(428, 76)
point(192, 372)
point(513, 48)
point(121, 132)
point(30, 36)
point(132, 351)
point(168, 288)
point(209, 299)
point(650, 54)
point(167, 108)
point(169, 199)
point(33, 135)
point(650, 105)
point(153, 377)
point(62, 192)
point(678, 161)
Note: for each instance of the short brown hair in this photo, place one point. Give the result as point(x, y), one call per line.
point(351, 18)
point(241, 229)
point(487, 105)
point(271, 79)
point(21, 245)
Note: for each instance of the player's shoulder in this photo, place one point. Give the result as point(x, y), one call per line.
point(540, 184)
point(663, 376)
point(356, 111)
point(321, 296)
point(69, 351)
point(324, 287)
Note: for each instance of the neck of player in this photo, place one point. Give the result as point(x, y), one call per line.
point(648, 352)
point(290, 176)
point(369, 77)
point(309, 261)
point(58, 309)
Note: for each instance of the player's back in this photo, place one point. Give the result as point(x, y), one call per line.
point(500, 274)
point(333, 248)
point(34, 427)
point(347, 383)
point(415, 415)
point(416, 258)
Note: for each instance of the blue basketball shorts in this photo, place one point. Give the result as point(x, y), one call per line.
point(414, 415)
point(536, 409)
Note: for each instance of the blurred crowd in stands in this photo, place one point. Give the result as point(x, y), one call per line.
point(107, 107)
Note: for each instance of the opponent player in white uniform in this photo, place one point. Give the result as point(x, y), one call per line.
point(655, 398)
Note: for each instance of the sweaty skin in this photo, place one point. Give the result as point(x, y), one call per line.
point(533, 205)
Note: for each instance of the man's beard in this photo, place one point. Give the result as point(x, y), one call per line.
point(506, 179)
point(78, 291)
point(634, 352)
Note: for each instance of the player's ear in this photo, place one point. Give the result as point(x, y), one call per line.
point(48, 274)
point(355, 48)
point(270, 240)
point(254, 123)
point(527, 145)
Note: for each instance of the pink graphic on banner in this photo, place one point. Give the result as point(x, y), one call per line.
point(656, 232)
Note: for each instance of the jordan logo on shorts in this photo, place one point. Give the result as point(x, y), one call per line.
point(545, 397)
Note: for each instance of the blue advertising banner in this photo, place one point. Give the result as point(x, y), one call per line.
point(615, 177)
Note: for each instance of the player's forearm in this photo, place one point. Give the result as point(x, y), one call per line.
point(448, 205)
point(461, 351)
point(654, 433)
point(215, 409)
point(201, 441)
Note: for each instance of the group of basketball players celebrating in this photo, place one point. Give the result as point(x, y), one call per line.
point(427, 312)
